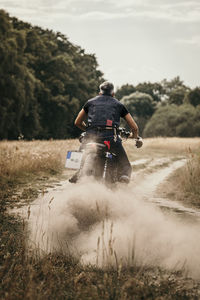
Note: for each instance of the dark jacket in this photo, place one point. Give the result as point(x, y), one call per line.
point(104, 110)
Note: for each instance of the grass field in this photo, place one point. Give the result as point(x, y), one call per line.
point(20, 157)
point(29, 167)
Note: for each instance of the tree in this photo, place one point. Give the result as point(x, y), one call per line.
point(44, 80)
point(141, 106)
point(155, 90)
point(17, 84)
point(177, 95)
point(193, 97)
point(172, 120)
point(124, 90)
point(174, 90)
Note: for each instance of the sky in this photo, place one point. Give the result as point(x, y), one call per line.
point(134, 40)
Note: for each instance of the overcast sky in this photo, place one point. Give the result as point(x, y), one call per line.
point(134, 40)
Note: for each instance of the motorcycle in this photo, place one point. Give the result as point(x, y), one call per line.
point(95, 159)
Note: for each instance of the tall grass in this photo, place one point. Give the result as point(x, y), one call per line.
point(187, 180)
point(160, 146)
point(192, 175)
point(20, 157)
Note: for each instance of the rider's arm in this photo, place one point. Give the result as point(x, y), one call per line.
point(79, 122)
point(133, 126)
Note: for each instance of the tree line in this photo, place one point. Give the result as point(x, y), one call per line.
point(45, 80)
point(166, 108)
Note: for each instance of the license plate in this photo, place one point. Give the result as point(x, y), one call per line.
point(73, 160)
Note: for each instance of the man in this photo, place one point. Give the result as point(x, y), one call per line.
point(103, 113)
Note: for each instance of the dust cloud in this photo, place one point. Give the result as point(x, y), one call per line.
point(117, 226)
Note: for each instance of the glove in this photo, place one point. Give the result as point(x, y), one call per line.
point(138, 142)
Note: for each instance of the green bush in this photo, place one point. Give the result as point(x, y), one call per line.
point(173, 120)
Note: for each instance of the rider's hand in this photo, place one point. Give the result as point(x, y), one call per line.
point(138, 142)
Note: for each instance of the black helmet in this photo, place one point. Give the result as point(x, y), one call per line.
point(106, 88)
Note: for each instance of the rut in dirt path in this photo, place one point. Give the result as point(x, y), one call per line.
point(150, 184)
point(94, 222)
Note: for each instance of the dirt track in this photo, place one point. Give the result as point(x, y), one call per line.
point(94, 222)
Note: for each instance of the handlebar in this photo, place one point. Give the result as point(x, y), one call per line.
point(123, 133)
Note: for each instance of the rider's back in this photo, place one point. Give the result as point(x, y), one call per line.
point(104, 110)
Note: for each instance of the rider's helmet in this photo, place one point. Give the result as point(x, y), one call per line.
point(106, 88)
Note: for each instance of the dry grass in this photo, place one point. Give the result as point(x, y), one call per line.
point(184, 184)
point(172, 144)
point(61, 277)
point(191, 178)
point(162, 147)
point(20, 157)
point(57, 276)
